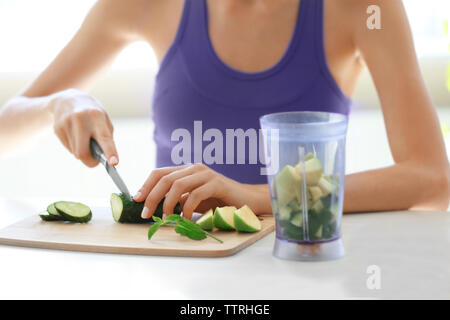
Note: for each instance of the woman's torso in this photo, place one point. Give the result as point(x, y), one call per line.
point(215, 76)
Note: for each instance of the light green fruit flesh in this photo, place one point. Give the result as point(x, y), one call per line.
point(224, 218)
point(317, 206)
point(312, 169)
point(285, 213)
point(287, 185)
point(316, 193)
point(206, 221)
point(246, 221)
point(297, 219)
point(325, 186)
point(116, 206)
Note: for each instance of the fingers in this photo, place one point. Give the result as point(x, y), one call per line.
point(152, 180)
point(82, 150)
point(104, 135)
point(78, 118)
point(182, 186)
point(198, 195)
point(166, 183)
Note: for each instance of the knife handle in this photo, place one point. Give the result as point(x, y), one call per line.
point(97, 152)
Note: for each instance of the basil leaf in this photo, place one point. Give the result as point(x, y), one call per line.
point(154, 228)
point(173, 218)
point(157, 219)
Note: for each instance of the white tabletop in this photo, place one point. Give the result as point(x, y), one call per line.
point(410, 249)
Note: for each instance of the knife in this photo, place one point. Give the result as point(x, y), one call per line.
point(99, 155)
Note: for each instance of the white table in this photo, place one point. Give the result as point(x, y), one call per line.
point(411, 250)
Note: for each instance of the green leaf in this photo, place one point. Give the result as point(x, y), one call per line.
point(173, 218)
point(183, 227)
point(154, 228)
point(157, 219)
point(191, 234)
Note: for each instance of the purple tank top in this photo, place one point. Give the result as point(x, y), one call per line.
point(196, 91)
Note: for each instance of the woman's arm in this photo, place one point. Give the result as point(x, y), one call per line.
point(56, 97)
point(419, 179)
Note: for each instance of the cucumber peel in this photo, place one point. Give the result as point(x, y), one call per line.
point(125, 210)
point(73, 211)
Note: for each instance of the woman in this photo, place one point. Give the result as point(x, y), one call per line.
point(226, 63)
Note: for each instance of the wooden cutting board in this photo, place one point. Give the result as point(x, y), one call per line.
point(102, 234)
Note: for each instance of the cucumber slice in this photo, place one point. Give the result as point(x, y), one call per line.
point(246, 221)
point(73, 211)
point(53, 213)
point(129, 211)
point(48, 217)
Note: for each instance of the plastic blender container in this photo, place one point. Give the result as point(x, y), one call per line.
point(305, 161)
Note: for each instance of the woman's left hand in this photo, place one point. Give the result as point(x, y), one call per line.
point(198, 188)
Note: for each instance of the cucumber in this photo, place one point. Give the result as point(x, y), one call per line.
point(129, 211)
point(48, 217)
point(73, 211)
point(53, 213)
point(291, 232)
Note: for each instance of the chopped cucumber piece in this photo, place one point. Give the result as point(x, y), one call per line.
point(285, 213)
point(325, 186)
point(297, 219)
point(73, 211)
point(317, 207)
point(295, 206)
point(316, 193)
point(291, 232)
point(246, 221)
point(287, 185)
point(312, 169)
point(48, 217)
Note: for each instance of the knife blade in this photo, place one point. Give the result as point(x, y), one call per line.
point(99, 155)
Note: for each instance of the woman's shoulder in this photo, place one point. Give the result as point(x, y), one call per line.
point(136, 18)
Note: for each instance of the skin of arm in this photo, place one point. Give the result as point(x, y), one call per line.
point(419, 179)
point(57, 97)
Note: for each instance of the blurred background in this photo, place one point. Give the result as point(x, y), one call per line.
point(33, 32)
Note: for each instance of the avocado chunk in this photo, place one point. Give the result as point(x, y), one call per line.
point(224, 218)
point(246, 221)
point(206, 221)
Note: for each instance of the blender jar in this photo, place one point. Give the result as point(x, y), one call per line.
point(305, 156)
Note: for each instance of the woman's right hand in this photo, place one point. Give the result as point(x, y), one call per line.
point(78, 117)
